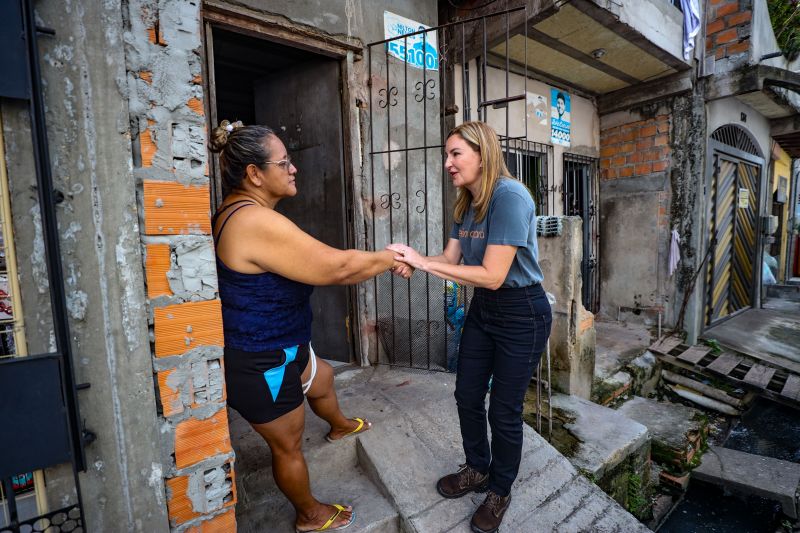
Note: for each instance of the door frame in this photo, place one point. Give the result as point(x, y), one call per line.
point(714, 148)
point(217, 14)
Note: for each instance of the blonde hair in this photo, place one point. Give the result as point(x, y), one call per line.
point(483, 139)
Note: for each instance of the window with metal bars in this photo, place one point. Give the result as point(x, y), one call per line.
point(530, 163)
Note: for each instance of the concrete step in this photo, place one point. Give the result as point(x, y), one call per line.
point(746, 473)
point(420, 441)
point(389, 473)
point(789, 292)
point(677, 432)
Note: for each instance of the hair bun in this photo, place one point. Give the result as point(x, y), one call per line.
point(220, 134)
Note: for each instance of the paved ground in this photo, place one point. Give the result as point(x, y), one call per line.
point(389, 472)
point(771, 333)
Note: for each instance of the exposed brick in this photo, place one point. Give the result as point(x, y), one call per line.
point(607, 151)
point(627, 148)
point(625, 172)
point(157, 264)
point(739, 18)
point(197, 80)
point(628, 135)
point(605, 162)
point(215, 489)
point(663, 126)
point(196, 106)
point(179, 506)
point(172, 208)
point(727, 36)
point(146, 75)
point(618, 161)
point(147, 146)
point(710, 42)
point(171, 403)
point(196, 440)
point(719, 53)
point(659, 166)
point(651, 155)
point(645, 143)
point(648, 131)
point(634, 158)
point(661, 140)
point(643, 168)
point(727, 9)
point(714, 27)
point(586, 323)
point(181, 327)
point(224, 523)
point(738, 48)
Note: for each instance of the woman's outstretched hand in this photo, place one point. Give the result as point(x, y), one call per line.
point(408, 255)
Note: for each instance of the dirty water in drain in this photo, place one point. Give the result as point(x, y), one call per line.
point(767, 429)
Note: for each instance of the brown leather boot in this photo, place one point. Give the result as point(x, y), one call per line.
point(466, 480)
point(489, 515)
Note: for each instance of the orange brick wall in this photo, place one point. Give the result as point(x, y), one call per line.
point(728, 28)
point(637, 148)
point(171, 167)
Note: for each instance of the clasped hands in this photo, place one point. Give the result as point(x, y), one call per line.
point(406, 260)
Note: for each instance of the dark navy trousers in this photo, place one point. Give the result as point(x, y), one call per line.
point(504, 336)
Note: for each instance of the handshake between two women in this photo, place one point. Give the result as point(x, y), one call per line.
point(406, 260)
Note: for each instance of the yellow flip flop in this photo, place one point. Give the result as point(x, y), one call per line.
point(327, 525)
point(362, 426)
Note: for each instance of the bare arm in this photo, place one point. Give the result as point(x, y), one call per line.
point(490, 274)
point(265, 240)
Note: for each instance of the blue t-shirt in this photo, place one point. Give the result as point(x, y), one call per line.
point(511, 219)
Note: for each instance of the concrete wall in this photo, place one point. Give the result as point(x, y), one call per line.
point(83, 69)
point(657, 20)
point(634, 206)
point(572, 339)
point(585, 121)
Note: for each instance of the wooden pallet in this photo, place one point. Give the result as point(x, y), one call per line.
point(779, 384)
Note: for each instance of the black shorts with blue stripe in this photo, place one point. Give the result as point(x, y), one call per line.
point(262, 386)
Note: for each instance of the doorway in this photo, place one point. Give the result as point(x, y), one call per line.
point(733, 226)
point(580, 195)
point(298, 94)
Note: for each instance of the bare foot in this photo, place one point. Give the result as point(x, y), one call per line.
point(351, 428)
point(320, 516)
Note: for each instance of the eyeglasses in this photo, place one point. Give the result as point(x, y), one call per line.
point(283, 163)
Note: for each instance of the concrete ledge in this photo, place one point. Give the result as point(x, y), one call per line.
point(606, 436)
point(766, 477)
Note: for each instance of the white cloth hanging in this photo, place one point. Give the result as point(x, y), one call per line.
point(674, 252)
point(691, 25)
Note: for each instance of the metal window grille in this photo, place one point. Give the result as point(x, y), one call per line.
point(580, 196)
point(531, 163)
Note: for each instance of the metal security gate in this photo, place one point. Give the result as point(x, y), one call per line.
point(580, 197)
point(412, 107)
point(733, 225)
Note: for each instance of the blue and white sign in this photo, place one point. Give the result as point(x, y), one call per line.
point(411, 49)
point(559, 117)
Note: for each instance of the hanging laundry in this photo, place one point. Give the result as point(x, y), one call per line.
point(691, 25)
point(674, 251)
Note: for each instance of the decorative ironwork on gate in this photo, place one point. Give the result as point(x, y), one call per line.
point(413, 105)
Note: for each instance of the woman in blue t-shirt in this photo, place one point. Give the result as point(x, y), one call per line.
point(509, 318)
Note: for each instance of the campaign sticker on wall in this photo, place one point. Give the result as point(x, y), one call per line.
point(419, 51)
point(537, 108)
point(559, 117)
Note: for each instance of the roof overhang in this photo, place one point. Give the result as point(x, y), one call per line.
point(593, 46)
point(764, 88)
point(786, 132)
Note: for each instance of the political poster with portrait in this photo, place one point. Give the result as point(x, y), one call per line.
point(559, 117)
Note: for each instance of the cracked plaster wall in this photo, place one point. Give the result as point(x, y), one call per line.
point(90, 156)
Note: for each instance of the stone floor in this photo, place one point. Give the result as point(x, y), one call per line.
point(389, 472)
point(618, 343)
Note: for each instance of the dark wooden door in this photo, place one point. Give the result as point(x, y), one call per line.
point(303, 104)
